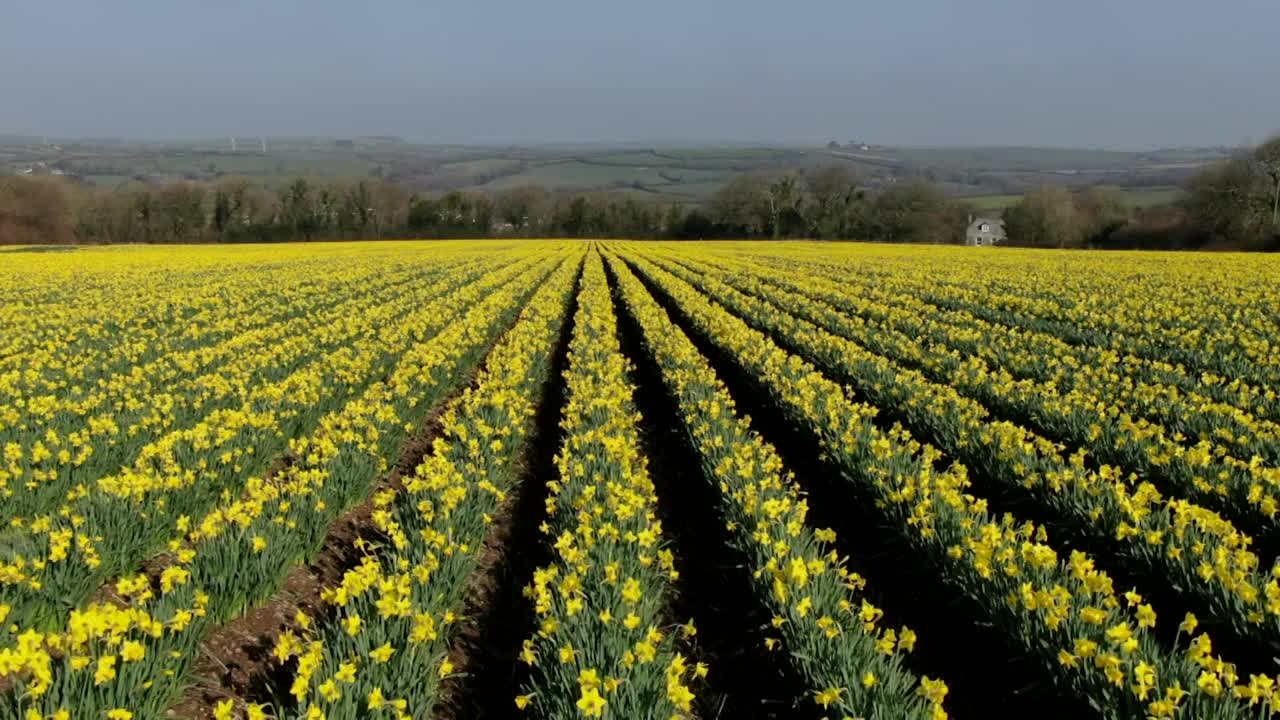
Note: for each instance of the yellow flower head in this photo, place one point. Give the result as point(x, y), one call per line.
point(351, 624)
point(827, 696)
point(591, 703)
point(383, 653)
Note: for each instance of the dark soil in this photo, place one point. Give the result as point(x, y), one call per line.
point(715, 587)
point(497, 617)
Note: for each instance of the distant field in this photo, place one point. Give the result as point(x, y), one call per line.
point(480, 166)
point(576, 174)
point(991, 176)
point(697, 189)
point(107, 180)
point(1138, 198)
point(993, 202)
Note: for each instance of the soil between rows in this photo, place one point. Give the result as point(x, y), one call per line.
point(497, 617)
point(715, 587)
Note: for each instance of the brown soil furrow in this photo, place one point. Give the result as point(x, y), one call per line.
point(497, 617)
point(235, 660)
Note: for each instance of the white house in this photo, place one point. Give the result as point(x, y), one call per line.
point(985, 231)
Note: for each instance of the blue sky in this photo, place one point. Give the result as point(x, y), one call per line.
point(1095, 73)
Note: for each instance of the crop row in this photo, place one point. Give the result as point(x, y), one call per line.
point(89, 437)
point(994, 297)
point(1083, 416)
point(1224, 326)
point(599, 605)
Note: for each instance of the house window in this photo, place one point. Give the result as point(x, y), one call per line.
point(984, 227)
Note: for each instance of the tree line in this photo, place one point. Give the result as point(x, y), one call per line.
point(1235, 204)
point(827, 203)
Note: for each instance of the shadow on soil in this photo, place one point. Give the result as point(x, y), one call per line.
point(500, 617)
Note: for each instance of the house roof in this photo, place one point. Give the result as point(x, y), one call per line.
point(997, 224)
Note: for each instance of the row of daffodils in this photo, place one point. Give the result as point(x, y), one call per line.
point(600, 645)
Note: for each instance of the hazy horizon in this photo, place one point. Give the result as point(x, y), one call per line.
point(249, 142)
point(1091, 74)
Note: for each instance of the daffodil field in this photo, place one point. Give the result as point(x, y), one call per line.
point(566, 479)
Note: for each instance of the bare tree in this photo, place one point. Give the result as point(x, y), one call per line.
point(833, 192)
point(35, 211)
point(743, 204)
point(517, 205)
point(1045, 217)
point(1268, 156)
point(784, 202)
point(914, 211)
point(1230, 203)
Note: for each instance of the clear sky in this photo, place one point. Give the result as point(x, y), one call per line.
point(1095, 73)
